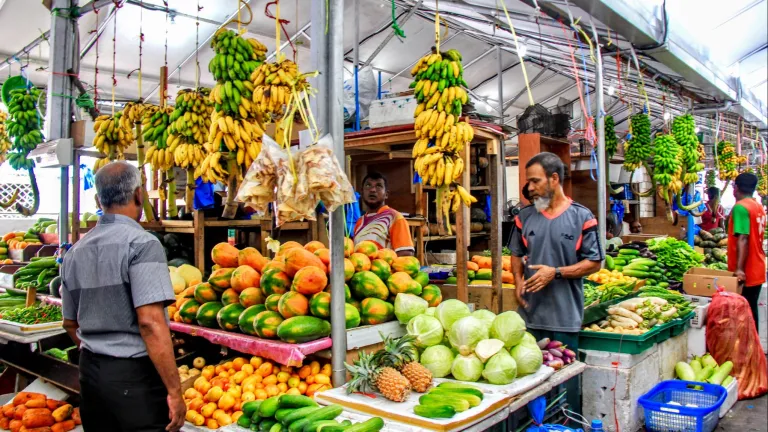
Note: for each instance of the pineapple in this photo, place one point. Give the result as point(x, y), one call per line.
point(402, 355)
point(368, 377)
point(393, 385)
point(363, 375)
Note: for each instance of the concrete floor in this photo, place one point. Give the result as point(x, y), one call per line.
point(746, 416)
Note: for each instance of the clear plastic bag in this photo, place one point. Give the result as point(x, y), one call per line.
point(258, 187)
point(326, 179)
point(289, 207)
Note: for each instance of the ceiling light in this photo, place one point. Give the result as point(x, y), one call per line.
point(667, 115)
point(698, 129)
point(522, 49)
point(611, 90)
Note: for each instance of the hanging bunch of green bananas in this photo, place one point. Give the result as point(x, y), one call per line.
point(190, 122)
point(666, 166)
point(155, 129)
point(727, 161)
point(437, 83)
point(5, 142)
point(710, 179)
point(684, 130)
point(639, 148)
point(611, 142)
point(24, 125)
point(762, 179)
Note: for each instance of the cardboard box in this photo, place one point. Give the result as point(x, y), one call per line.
point(703, 282)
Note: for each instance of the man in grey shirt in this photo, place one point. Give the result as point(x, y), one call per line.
point(559, 239)
point(115, 287)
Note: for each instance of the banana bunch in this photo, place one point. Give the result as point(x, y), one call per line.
point(112, 138)
point(190, 122)
point(639, 148)
point(234, 98)
point(211, 170)
point(666, 165)
point(238, 135)
point(437, 83)
point(710, 178)
point(24, 126)
point(133, 113)
point(762, 179)
point(449, 201)
point(273, 85)
point(684, 130)
point(5, 142)
point(727, 161)
point(611, 142)
point(236, 57)
point(103, 161)
point(156, 130)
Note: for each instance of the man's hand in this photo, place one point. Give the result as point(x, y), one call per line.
point(538, 281)
point(176, 412)
point(520, 300)
point(740, 275)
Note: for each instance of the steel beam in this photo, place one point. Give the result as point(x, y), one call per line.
point(391, 34)
point(533, 81)
point(24, 51)
point(102, 26)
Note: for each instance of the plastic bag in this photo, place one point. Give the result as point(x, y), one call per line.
point(537, 408)
point(732, 335)
point(289, 207)
point(366, 86)
point(325, 178)
point(258, 187)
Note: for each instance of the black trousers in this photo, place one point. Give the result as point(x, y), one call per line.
point(751, 294)
point(121, 394)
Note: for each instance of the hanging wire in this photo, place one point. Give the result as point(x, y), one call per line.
point(197, 46)
point(280, 24)
point(517, 48)
point(114, 56)
point(96, 66)
point(437, 26)
point(141, 42)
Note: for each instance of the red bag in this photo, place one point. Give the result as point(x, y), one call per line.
point(732, 335)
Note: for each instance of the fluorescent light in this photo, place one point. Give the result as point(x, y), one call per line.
point(698, 129)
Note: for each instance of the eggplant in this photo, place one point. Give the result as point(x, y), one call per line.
point(556, 353)
point(543, 343)
point(554, 344)
point(570, 354)
point(630, 246)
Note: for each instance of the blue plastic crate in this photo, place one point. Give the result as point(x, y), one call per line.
point(669, 407)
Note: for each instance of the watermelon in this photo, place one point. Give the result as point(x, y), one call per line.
point(380, 268)
point(376, 311)
point(422, 278)
point(206, 314)
point(266, 324)
point(301, 329)
point(228, 317)
point(205, 293)
point(351, 316)
point(320, 305)
point(246, 320)
point(366, 284)
point(188, 311)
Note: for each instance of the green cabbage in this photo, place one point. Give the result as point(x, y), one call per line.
point(438, 359)
point(528, 339)
point(500, 369)
point(486, 349)
point(408, 306)
point(427, 329)
point(466, 333)
point(450, 311)
point(508, 327)
point(431, 311)
point(467, 368)
point(485, 316)
point(528, 358)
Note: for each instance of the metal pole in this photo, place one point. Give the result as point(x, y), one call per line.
point(356, 59)
point(391, 34)
point(328, 58)
point(500, 83)
point(602, 168)
point(59, 111)
point(8, 61)
point(102, 26)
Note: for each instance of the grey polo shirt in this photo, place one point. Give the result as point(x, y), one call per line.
point(555, 240)
point(114, 269)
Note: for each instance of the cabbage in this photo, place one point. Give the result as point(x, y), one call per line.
point(427, 329)
point(486, 349)
point(408, 306)
point(528, 358)
point(467, 368)
point(508, 327)
point(431, 311)
point(485, 316)
point(438, 359)
point(466, 333)
point(500, 369)
point(528, 339)
point(450, 311)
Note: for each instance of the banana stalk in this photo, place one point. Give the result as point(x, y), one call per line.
point(636, 191)
point(230, 207)
point(149, 211)
point(24, 211)
point(189, 198)
point(173, 210)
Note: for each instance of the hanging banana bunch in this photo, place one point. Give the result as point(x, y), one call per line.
point(24, 126)
point(237, 135)
point(667, 167)
point(133, 113)
point(684, 130)
point(611, 142)
point(273, 84)
point(212, 169)
point(441, 137)
point(112, 137)
point(190, 122)
point(156, 127)
point(638, 148)
point(727, 161)
point(762, 179)
point(5, 142)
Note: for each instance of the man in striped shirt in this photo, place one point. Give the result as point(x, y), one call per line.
point(115, 287)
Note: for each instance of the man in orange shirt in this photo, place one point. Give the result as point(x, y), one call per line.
point(381, 224)
point(746, 227)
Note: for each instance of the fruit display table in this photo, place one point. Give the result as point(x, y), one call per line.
point(559, 377)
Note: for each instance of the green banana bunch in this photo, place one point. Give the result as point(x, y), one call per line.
point(24, 125)
point(710, 179)
point(190, 121)
point(727, 161)
point(762, 179)
point(639, 148)
point(666, 165)
point(684, 130)
point(611, 142)
point(5, 142)
point(433, 75)
point(236, 58)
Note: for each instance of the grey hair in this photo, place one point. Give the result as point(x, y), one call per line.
point(116, 184)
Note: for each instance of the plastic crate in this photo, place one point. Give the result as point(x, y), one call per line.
point(682, 406)
point(599, 311)
point(618, 343)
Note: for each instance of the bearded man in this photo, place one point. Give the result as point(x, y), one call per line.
point(554, 245)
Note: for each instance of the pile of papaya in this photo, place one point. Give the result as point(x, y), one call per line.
point(479, 271)
point(35, 412)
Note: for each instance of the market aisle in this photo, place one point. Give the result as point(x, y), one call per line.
point(746, 416)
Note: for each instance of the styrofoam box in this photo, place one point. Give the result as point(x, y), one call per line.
point(392, 112)
point(730, 400)
point(697, 341)
point(699, 319)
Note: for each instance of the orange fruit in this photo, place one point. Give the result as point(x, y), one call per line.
point(271, 390)
point(248, 396)
point(315, 367)
point(214, 394)
point(260, 394)
point(236, 415)
point(196, 404)
point(293, 382)
point(192, 393)
point(248, 369)
point(305, 371)
point(283, 387)
point(293, 391)
point(283, 377)
point(271, 379)
point(302, 387)
point(322, 379)
point(256, 362)
point(208, 409)
point(238, 363)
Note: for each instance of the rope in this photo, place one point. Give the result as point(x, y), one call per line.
point(114, 57)
point(281, 23)
point(437, 26)
point(640, 81)
point(398, 31)
point(197, 46)
point(517, 48)
point(141, 41)
point(96, 66)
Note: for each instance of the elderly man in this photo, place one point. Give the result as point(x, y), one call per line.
point(115, 287)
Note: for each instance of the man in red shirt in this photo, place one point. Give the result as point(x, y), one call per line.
point(746, 227)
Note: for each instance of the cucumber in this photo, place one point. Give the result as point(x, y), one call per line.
point(336, 428)
point(266, 425)
point(644, 261)
point(664, 284)
point(282, 412)
point(298, 425)
point(633, 266)
point(296, 401)
point(634, 273)
point(434, 411)
point(298, 414)
point(250, 408)
point(315, 425)
point(459, 388)
point(458, 404)
point(629, 252)
point(329, 412)
point(277, 427)
point(371, 425)
point(609, 262)
point(269, 406)
point(449, 393)
point(244, 421)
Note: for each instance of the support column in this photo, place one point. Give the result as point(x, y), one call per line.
point(602, 165)
point(59, 110)
point(328, 58)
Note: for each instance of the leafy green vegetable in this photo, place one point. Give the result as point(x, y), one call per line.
point(676, 255)
point(33, 314)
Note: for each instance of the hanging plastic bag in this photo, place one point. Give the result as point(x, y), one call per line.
point(366, 87)
point(203, 194)
point(258, 187)
point(325, 178)
point(732, 336)
point(291, 182)
point(537, 408)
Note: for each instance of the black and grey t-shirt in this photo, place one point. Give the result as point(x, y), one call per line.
point(555, 240)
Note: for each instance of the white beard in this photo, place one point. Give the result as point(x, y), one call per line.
point(542, 203)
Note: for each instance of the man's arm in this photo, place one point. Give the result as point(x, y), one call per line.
point(517, 246)
point(546, 274)
point(157, 337)
point(400, 237)
point(69, 312)
point(71, 327)
point(517, 272)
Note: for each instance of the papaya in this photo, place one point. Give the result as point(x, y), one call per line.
point(225, 255)
point(274, 281)
point(251, 257)
point(298, 258)
point(228, 317)
point(349, 247)
point(407, 264)
point(301, 329)
point(324, 255)
point(400, 282)
point(309, 281)
point(349, 269)
point(381, 269)
point(320, 305)
point(314, 245)
point(387, 255)
point(205, 293)
point(367, 248)
point(244, 277)
point(265, 324)
point(289, 245)
point(472, 266)
point(360, 261)
point(432, 294)
point(351, 316)
point(252, 296)
point(375, 311)
point(188, 311)
point(422, 278)
point(293, 304)
point(229, 297)
point(366, 284)
point(221, 279)
point(246, 322)
point(272, 301)
point(206, 314)
point(273, 265)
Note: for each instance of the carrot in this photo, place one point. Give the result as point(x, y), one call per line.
point(15, 425)
point(8, 410)
point(5, 423)
point(63, 426)
point(76, 416)
point(35, 403)
point(18, 412)
point(37, 417)
point(9, 236)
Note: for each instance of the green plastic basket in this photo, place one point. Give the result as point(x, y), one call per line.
point(631, 344)
point(14, 83)
point(600, 310)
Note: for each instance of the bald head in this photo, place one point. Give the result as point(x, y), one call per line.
point(117, 185)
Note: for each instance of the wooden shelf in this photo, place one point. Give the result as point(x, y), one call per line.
point(245, 223)
point(452, 237)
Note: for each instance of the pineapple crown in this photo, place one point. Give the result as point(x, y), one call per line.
point(397, 352)
point(364, 374)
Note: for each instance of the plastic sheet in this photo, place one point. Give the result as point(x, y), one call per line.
point(280, 352)
point(537, 408)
